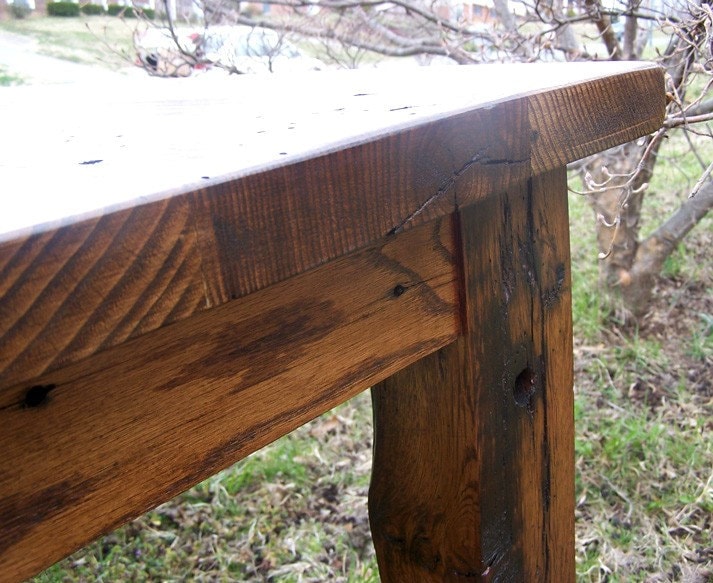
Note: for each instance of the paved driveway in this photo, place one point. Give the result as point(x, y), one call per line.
point(18, 57)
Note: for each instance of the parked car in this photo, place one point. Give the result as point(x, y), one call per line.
point(245, 49)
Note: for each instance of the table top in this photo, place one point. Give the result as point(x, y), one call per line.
point(128, 207)
point(120, 144)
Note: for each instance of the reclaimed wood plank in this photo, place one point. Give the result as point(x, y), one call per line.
point(92, 254)
point(69, 293)
point(473, 474)
point(92, 445)
point(568, 124)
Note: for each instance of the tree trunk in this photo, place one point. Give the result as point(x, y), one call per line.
point(566, 39)
point(618, 212)
point(629, 269)
point(653, 251)
point(506, 18)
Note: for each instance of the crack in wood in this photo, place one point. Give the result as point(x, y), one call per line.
point(450, 182)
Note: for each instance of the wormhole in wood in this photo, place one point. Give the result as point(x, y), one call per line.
point(399, 290)
point(524, 387)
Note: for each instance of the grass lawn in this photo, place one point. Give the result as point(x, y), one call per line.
point(104, 41)
point(644, 403)
point(8, 79)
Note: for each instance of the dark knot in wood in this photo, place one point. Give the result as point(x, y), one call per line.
point(37, 395)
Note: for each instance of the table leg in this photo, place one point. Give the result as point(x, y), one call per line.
point(473, 475)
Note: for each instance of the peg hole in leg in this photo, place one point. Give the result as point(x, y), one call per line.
point(524, 389)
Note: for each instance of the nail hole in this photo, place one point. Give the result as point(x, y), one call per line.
point(398, 290)
point(37, 395)
point(524, 387)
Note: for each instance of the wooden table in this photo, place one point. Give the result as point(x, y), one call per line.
point(189, 270)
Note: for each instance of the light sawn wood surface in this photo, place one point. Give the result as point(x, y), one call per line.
point(188, 271)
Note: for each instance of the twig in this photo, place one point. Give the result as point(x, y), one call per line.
point(701, 180)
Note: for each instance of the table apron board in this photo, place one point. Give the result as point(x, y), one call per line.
point(114, 435)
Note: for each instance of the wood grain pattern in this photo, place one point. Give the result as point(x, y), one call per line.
point(473, 475)
point(362, 193)
point(113, 436)
point(69, 293)
point(76, 287)
point(581, 120)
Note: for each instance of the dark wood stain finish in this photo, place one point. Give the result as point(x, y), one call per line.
point(155, 415)
point(172, 332)
point(473, 460)
point(74, 291)
point(80, 288)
